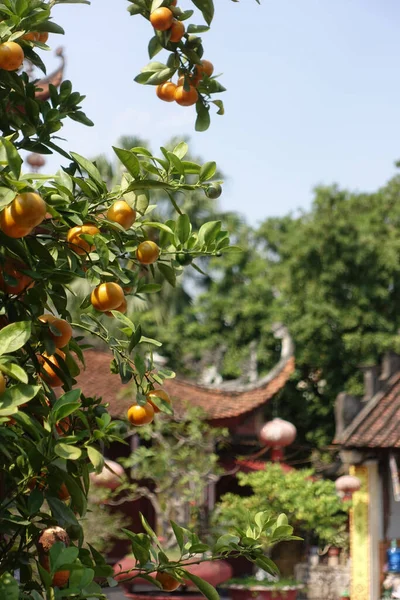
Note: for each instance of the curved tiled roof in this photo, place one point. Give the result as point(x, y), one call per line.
point(378, 423)
point(43, 85)
point(218, 403)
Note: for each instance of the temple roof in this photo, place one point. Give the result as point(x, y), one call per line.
point(377, 425)
point(218, 403)
point(55, 78)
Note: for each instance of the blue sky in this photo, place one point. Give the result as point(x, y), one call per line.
point(313, 94)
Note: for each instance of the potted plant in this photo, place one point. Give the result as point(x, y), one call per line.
point(317, 511)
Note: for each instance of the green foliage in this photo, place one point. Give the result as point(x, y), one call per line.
point(331, 275)
point(51, 435)
point(250, 544)
point(316, 509)
point(183, 56)
point(179, 465)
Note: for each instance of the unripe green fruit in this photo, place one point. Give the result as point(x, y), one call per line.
point(213, 191)
point(184, 259)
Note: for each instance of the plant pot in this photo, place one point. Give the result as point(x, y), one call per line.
point(214, 572)
point(263, 592)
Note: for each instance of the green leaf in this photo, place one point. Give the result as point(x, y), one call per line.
point(16, 395)
point(154, 46)
point(267, 565)
point(35, 501)
point(68, 452)
point(13, 158)
point(14, 371)
point(168, 273)
point(282, 531)
point(150, 288)
point(179, 534)
point(204, 587)
point(181, 150)
point(281, 520)
point(207, 171)
point(140, 365)
point(203, 117)
point(90, 169)
point(6, 196)
point(96, 458)
point(61, 512)
point(207, 9)
point(65, 557)
point(149, 530)
point(14, 336)
point(158, 225)
point(231, 250)
point(9, 588)
point(225, 541)
point(69, 398)
point(183, 228)
point(102, 251)
point(139, 548)
point(220, 105)
point(79, 117)
point(135, 338)
point(129, 160)
point(197, 28)
point(208, 232)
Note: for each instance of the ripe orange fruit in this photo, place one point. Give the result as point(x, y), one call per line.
point(43, 37)
point(161, 18)
point(141, 415)
point(120, 212)
point(205, 68)
point(28, 209)
point(47, 538)
point(62, 326)
point(2, 383)
point(177, 31)
point(191, 79)
point(147, 252)
point(50, 375)
point(158, 394)
point(11, 56)
point(79, 245)
point(107, 296)
point(11, 268)
point(186, 98)
point(168, 583)
point(121, 308)
point(166, 91)
point(32, 36)
point(63, 492)
point(10, 227)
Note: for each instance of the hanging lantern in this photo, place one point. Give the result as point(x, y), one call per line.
point(347, 485)
point(108, 479)
point(36, 161)
point(278, 433)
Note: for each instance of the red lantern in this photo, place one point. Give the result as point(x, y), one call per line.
point(36, 161)
point(347, 485)
point(108, 479)
point(278, 433)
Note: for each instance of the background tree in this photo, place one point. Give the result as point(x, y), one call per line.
point(331, 275)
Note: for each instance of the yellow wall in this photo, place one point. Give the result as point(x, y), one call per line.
point(360, 537)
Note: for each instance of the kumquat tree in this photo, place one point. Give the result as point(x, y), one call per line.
point(55, 230)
